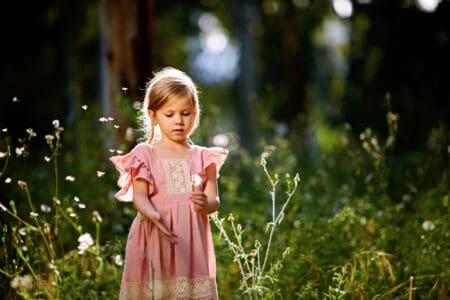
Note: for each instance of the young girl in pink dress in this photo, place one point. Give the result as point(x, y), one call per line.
point(173, 185)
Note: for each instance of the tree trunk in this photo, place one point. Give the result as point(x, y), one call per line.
point(126, 57)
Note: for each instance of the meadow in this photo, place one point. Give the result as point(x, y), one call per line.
point(345, 217)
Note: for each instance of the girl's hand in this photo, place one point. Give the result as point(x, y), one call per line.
point(164, 229)
point(200, 201)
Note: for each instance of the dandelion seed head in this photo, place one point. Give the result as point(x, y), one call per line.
point(22, 282)
point(221, 140)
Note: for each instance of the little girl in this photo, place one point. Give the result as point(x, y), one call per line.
point(173, 185)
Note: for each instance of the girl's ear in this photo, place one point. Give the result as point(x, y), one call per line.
point(151, 114)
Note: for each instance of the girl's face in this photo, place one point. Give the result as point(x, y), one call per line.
point(176, 119)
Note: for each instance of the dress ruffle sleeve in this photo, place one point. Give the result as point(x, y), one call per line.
point(131, 166)
point(214, 155)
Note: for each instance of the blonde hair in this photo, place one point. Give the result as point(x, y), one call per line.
point(166, 83)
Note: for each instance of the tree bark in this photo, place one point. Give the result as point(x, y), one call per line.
point(126, 57)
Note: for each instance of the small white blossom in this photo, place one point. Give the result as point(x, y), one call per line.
point(8, 180)
point(46, 158)
point(22, 184)
point(31, 132)
point(22, 282)
point(4, 129)
point(103, 119)
point(221, 140)
point(34, 214)
point(100, 173)
point(70, 178)
point(118, 259)
point(45, 208)
point(23, 231)
point(20, 151)
point(2, 207)
point(76, 199)
point(81, 205)
point(116, 126)
point(84, 107)
point(124, 89)
point(3, 154)
point(428, 225)
point(85, 241)
point(55, 123)
point(15, 99)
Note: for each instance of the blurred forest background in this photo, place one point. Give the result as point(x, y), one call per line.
point(353, 94)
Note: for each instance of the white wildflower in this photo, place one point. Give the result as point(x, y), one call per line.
point(3, 154)
point(70, 178)
point(46, 158)
point(45, 208)
point(84, 107)
point(85, 241)
point(96, 218)
point(76, 199)
point(81, 205)
point(31, 132)
point(34, 214)
point(100, 173)
point(4, 129)
point(55, 123)
point(15, 99)
point(22, 184)
point(22, 282)
point(428, 225)
point(116, 126)
point(118, 259)
point(23, 231)
point(8, 180)
point(103, 119)
point(119, 151)
point(20, 150)
point(2, 207)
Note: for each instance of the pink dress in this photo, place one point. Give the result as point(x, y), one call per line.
point(155, 268)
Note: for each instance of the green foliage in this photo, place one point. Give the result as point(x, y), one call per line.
point(365, 222)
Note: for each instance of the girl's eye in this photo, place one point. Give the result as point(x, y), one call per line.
point(168, 115)
point(186, 114)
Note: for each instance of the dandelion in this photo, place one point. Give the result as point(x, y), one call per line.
point(137, 105)
point(119, 151)
point(23, 231)
point(4, 129)
point(112, 150)
point(118, 260)
point(70, 178)
point(20, 151)
point(8, 180)
point(110, 119)
point(34, 214)
point(84, 107)
point(76, 199)
point(85, 241)
point(116, 126)
point(46, 158)
point(24, 248)
point(100, 173)
point(103, 119)
point(57, 201)
point(428, 225)
point(82, 205)
point(195, 182)
point(15, 99)
point(124, 89)
point(3, 154)
point(49, 138)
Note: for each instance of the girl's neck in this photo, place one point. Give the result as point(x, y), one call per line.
point(170, 147)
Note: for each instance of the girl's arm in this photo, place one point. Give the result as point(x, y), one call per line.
point(208, 201)
point(145, 207)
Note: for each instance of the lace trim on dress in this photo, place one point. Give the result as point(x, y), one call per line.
point(177, 174)
point(181, 287)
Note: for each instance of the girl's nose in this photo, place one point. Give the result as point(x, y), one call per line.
point(178, 119)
